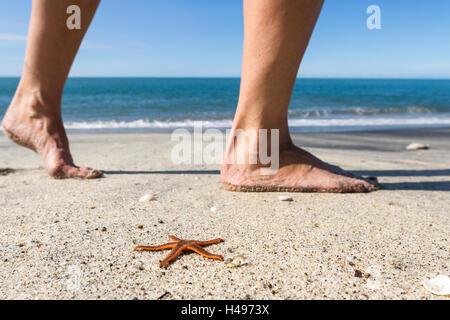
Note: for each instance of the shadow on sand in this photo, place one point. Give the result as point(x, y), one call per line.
point(418, 185)
point(165, 172)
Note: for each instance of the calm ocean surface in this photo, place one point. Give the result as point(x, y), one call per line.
point(318, 105)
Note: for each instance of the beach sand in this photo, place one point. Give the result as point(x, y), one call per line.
point(71, 239)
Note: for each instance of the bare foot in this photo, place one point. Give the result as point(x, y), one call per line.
point(299, 171)
point(28, 123)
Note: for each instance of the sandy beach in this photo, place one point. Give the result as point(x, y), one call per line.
point(72, 239)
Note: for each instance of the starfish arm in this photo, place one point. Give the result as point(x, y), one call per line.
point(203, 252)
point(155, 248)
point(207, 243)
point(174, 239)
point(172, 255)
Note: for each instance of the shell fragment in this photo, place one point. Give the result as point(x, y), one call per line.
point(285, 198)
point(439, 285)
point(417, 146)
point(147, 198)
point(237, 261)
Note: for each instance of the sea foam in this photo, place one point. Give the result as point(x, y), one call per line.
point(441, 120)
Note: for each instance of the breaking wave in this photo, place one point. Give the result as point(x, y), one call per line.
point(361, 121)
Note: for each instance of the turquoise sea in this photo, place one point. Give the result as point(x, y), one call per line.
point(318, 105)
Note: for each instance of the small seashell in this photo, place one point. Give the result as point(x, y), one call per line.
point(439, 286)
point(147, 198)
point(374, 278)
point(213, 209)
point(285, 198)
point(237, 261)
point(417, 146)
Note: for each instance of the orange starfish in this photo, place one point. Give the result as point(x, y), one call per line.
point(179, 245)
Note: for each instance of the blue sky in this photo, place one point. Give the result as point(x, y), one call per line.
point(176, 38)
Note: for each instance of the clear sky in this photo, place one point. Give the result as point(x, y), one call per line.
point(173, 38)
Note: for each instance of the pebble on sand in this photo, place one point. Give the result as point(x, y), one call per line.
point(213, 209)
point(417, 146)
point(285, 198)
point(358, 273)
point(147, 198)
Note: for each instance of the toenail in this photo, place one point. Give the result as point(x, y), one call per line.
point(94, 172)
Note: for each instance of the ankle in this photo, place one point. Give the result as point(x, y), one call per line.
point(34, 103)
point(280, 132)
point(255, 147)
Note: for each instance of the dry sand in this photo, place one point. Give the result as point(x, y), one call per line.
point(74, 239)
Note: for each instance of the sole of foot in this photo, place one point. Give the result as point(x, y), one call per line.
point(355, 189)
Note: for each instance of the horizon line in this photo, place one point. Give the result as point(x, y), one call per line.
point(238, 77)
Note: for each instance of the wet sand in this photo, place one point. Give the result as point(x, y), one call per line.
point(71, 239)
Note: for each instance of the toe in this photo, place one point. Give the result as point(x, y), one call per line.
point(373, 185)
point(87, 173)
point(353, 185)
point(363, 185)
point(94, 174)
point(353, 182)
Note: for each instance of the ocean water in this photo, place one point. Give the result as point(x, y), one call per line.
point(318, 105)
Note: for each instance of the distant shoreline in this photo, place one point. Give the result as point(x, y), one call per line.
point(236, 77)
point(391, 131)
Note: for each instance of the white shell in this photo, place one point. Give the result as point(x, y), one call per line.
point(439, 285)
point(375, 280)
point(285, 198)
point(237, 261)
point(417, 146)
point(213, 209)
point(147, 198)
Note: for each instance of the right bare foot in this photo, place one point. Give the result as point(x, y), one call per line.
point(299, 171)
point(29, 123)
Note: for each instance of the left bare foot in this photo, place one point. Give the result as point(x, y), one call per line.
point(28, 123)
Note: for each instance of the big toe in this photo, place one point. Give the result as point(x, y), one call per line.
point(368, 183)
point(360, 185)
point(89, 173)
